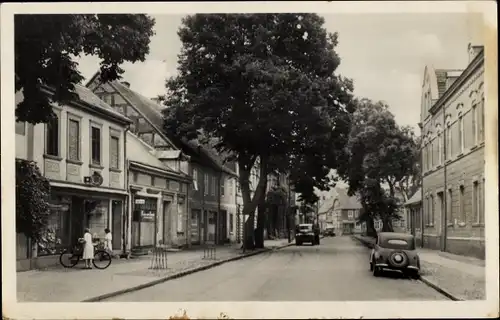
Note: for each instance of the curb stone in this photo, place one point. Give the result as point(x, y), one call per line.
point(181, 274)
point(439, 289)
point(422, 279)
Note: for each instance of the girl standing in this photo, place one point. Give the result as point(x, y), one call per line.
point(88, 249)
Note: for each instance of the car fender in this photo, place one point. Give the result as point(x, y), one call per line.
point(371, 255)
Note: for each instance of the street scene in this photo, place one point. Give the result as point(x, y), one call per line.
point(250, 157)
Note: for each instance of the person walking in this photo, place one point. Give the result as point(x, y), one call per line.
point(88, 249)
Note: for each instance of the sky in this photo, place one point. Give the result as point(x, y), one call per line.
point(384, 54)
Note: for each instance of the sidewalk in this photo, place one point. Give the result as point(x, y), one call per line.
point(77, 284)
point(461, 277)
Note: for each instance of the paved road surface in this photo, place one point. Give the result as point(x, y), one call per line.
point(337, 270)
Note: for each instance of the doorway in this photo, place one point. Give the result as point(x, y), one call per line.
point(166, 221)
point(116, 223)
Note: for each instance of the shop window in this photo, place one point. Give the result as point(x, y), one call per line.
point(56, 237)
point(97, 216)
point(145, 209)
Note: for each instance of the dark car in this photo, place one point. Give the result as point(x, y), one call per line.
point(306, 232)
point(329, 232)
point(395, 251)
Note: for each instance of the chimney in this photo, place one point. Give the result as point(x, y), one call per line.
point(473, 51)
point(126, 84)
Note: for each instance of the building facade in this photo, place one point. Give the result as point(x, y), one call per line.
point(452, 122)
point(82, 153)
point(209, 208)
point(158, 199)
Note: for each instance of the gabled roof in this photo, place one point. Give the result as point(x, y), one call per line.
point(90, 99)
point(441, 77)
point(416, 198)
point(141, 152)
point(153, 112)
point(344, 201)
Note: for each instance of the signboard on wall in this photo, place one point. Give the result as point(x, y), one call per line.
point(140, 201)
point(147, 215)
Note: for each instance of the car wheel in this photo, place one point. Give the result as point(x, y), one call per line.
point(414, 275)
point(376, 271)
point(371, 266)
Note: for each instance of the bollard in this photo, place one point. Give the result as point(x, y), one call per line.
point(210, 252)
point(159, 259)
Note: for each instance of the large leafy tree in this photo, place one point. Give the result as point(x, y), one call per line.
point(379, 153)
point(46, 46)
point(264, 86)
point(32, 192)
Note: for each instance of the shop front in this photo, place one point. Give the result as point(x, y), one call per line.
point(144, 221)
point(70, 212)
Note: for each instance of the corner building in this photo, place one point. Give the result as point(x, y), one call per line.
point(452, 123)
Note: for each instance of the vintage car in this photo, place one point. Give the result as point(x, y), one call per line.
point(329, 232)
point(395, 251)
point(306, 232)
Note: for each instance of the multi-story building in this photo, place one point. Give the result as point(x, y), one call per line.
point(341, 211)
point(82, 153)
point(452, 122)
point(211, 205)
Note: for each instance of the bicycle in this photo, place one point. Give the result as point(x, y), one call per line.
point(70, 258)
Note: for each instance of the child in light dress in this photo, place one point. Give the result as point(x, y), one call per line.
point(108, 241)
point(88, 249)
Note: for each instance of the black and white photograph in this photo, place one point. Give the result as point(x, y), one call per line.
point(251, 160)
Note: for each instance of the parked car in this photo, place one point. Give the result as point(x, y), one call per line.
point(395, 251)
point(306, 232)
point(329, 232)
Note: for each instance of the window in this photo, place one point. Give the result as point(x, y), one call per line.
point(95, 145)
point(114, 146)
point(222, 186)
point(73, 140)
point(205, 184)
point(350, 214)
point(476, 202)
point(475, 135)
point(461, 133)
point(462, 203)
point(439, 149)
point(195, 179)
point(482, 126)
point(214, 185)
point(449, 204)
point(53, 137)
point(231, 222)
point(432, 205)
point(429, 156)
point(424, 157)
point(20, 128)
point(449, 143)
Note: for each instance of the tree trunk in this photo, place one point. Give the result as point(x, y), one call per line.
point(370, 227)
point(259, 232)
point(250, 203)
point(387, 225)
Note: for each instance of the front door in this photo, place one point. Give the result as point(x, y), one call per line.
point(116, 223)
point(166, 221)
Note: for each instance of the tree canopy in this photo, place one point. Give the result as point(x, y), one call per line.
point(380, 152)
point(265, 86)
point(46, 46)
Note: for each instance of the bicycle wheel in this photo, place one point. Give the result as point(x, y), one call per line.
point(68, 259)
point(102, 259)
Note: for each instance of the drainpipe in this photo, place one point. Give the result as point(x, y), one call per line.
point(127, 206)
point(188, 213)
point(219, 194)
point(444, 218)
point(422, 223)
